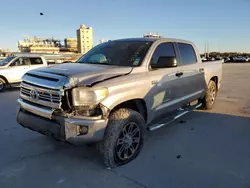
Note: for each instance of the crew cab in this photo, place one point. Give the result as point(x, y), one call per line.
point(14, 67)
point(116, 92)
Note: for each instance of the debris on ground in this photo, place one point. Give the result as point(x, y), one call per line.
point(182, 121)
point(178, 156)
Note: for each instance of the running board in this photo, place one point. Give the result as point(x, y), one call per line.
point(171, 119)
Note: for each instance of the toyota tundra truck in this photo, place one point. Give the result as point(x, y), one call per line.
point(116, 92)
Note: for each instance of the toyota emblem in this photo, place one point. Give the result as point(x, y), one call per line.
point(34, 94)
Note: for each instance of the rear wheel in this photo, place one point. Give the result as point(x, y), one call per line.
point(210, 97)
point(123, 139)
point(2, 84)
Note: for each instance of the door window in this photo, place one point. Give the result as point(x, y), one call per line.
point(164, 49)
point(36, 61)
point(187, 54)
point(20, 62)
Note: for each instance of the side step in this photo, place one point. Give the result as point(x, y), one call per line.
point(172, 118)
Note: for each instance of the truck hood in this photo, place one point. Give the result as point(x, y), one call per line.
point(86, 74)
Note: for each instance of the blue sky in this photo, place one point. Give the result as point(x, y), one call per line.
point(224, 23)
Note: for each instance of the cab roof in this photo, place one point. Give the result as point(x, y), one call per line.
point(151, 39)
point(27, 55)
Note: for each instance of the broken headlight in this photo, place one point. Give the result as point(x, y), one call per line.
point(81, 111)
point(88, 98)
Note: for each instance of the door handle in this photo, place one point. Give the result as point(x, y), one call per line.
point(179, 74)
point(154, 82)
point(201, 69)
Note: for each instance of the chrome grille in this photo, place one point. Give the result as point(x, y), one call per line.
point(39, 95)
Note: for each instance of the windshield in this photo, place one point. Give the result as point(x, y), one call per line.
point(118, 53)
point(6, 61)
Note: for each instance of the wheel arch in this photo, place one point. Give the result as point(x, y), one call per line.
point(215, 79)
point(138, 105)
point(5, 79)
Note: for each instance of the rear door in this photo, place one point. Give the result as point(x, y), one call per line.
point(192, 79)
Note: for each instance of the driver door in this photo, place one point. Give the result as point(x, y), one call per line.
point(17, 69)
point(165, 83)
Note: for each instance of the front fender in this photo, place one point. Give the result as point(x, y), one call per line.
point(126, 92)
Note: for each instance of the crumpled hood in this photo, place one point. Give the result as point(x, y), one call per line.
point(86, 74)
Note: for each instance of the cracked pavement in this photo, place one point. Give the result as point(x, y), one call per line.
point(213, 148)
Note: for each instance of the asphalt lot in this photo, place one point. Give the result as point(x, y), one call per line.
point(213, 148)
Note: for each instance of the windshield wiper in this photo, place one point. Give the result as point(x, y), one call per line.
point(95, 63)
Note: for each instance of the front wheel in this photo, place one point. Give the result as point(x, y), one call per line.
point(2, 84)
point(210, 97)
point(123, 139)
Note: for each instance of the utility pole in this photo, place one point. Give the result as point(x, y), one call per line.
point(207, 49)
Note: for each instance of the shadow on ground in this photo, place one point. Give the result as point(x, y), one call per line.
point(11, 89)
point(200, 150)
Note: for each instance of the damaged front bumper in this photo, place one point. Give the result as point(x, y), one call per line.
point(61, 128)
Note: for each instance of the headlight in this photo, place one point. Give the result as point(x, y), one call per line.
point(88, 97)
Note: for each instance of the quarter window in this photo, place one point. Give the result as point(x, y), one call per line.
point(187, 54)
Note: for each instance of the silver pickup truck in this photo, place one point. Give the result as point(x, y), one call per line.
point(116, 92)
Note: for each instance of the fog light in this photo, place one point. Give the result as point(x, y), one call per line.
point(83, 130)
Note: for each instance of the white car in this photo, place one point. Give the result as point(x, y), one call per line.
point(14, 67)
point(247, 59)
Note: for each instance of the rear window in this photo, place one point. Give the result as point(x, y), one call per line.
point(187, 53)
point(36, 61)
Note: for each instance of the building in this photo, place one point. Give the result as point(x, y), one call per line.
point(43, 49)
point(151, 35)
point(39, 45)
point(84, 39)
point(3, 50)
point(71, 44)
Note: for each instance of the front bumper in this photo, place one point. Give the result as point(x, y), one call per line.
point(61, 128)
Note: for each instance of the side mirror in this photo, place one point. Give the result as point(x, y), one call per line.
point(13, 64)
point(165, 62)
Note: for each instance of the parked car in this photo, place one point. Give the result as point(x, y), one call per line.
point(226, 60)
point(210, 59)
point(218, 58)
point(14, 67)
point(117, 91)
point(247, 59)
point(239, 59)
point(203, 59)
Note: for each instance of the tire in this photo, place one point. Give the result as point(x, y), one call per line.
point(119, 147)
point(2, 84)
point(210, 97)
